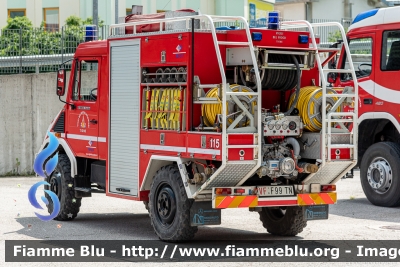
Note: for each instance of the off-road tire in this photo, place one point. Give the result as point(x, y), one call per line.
point(391, 153)
point(69, 205)
point(168, 179)
point(289, 223)
point(146, 205)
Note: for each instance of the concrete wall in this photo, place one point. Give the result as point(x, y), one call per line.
point(28, 104)
point(330, 10)
point(295, 11)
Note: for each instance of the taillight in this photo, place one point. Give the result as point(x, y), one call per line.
point(239, 191)
point(223, 191)
point(328, 188)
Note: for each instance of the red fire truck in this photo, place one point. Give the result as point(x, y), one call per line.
point(374, 41)
point(191, 118)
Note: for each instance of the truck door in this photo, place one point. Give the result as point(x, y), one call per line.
point(83, 129)
point(387, 82)
point(362, 51)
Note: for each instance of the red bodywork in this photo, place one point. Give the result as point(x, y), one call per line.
point(78, 127)
point(387, 79)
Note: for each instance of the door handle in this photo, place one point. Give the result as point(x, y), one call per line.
point(368, 101)
point(93, 121)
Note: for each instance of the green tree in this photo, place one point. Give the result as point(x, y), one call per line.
point(20, 38)
point(17, 23)
point(89, 21)
point(335, 36)
point(73, 21)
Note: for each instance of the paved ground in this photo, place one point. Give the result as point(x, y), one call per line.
point(108, 218)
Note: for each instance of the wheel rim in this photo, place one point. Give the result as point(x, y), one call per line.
point(55, 183)
point(379, 175)
point(165, 205)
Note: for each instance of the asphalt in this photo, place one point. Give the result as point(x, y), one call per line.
point(105, 218)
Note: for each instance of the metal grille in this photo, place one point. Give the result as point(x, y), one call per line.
point(124, 117)
point(59, 126)
point(34, 50)
point(328, 173)
point(313, 141)
point(231, 175)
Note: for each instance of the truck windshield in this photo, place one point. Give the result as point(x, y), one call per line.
point(361, 54)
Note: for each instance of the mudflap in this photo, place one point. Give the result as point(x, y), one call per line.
point(82, 182)
point(202, 213)
point(316, 212)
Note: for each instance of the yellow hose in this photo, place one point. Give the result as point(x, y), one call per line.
point(307, 108)
point(210, 111)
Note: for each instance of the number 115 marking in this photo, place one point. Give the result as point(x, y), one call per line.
point(214, 143)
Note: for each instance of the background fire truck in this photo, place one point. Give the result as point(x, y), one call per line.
point(191, 118)
point(374, 41)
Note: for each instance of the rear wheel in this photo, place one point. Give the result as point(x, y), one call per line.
point(62, 184)
point(286, 221)
point(170, 207)
point(380, 170)
point(146, 205)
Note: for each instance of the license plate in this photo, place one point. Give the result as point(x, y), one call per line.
point(276, 190)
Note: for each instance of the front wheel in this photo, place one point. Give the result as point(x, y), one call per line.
point(285, 221)
point(170, 207)
point(62, 184)
point(380, 170)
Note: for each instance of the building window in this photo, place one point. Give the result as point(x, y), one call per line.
point(51, 19)
point(12, 13)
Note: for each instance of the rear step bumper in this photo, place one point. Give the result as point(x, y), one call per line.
point(254, 200)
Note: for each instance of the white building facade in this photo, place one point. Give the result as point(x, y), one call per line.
point(55, 12)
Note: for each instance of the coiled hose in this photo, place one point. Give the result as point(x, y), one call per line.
point(275, 79)
point(281, 79)
point(297, 92)
point(210, 111)
point(310, 106)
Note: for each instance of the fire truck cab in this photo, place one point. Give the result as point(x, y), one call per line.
point(191, 118)
point(374, 42)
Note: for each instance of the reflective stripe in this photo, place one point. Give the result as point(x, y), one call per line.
point(163, 148)
point(380, 92)
point(316, 199)
point(181, 149)
point(204, 151)
point(223, 202)
point(86, 137)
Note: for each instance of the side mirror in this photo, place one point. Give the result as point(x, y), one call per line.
point(332, 62)
point(61, 82)
point(332, 77)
